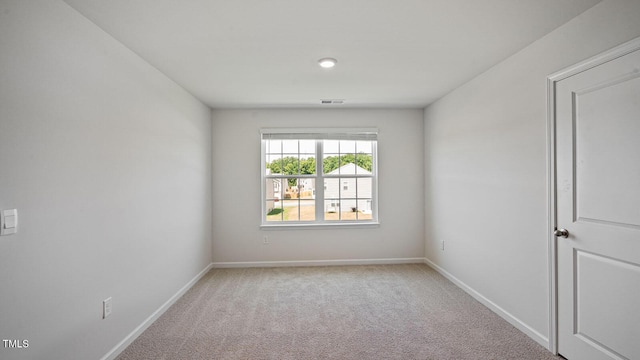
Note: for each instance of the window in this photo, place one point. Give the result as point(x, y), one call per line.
point(346, 176)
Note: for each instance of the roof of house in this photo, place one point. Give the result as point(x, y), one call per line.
point(349, 169)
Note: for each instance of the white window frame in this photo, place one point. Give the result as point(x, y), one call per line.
point(370, 134)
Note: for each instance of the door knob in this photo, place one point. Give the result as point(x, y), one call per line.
point(561, 233)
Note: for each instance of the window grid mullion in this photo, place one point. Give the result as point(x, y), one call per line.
point(298, 181)
point(353, 175)
point(355, 159)
point(357, 210)
point(319, 181)
point(339, 183)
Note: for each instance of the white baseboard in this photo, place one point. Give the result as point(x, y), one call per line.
point(245, 264)
point(519, 324)
point(153, 317)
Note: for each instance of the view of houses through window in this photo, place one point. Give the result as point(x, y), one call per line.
point(292, 175)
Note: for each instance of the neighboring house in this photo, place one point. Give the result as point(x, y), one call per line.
point(342, 193)
point(273, 189)
point(307, 188)
point(345, 192)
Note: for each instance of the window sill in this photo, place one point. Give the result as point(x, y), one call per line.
point(345, 225)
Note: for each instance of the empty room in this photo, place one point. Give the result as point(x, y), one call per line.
point(295, 179)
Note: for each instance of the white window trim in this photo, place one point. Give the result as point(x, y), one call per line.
point(321, 134)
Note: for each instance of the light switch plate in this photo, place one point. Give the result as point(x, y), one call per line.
point(107, 307)
point(8, 222)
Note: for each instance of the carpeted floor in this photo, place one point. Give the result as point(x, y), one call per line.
point(341, 312)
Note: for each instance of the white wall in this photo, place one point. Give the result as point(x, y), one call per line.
point(485, 164)
point(236, 189)
point(109, 165)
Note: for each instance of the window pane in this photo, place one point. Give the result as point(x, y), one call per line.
point(347, 146)
point(332, 209)
point(347, 164)
point(307, 164)
point(273, 164)
point(330, 146)
point(365, 164)
point(364, 157)
point(364, 188)
point(291, 165)
point(307, 146)
point(349, 209)
point(274, 146)
point(365, 209)
point(364, 147)
point(291, 210)
point(307, 209)
point(307, 188)
point(273, 189)
point(332, 188)
point(347, 188)
point(290, 146)
point(274, 210)
point(330, 163)
point(290, 188)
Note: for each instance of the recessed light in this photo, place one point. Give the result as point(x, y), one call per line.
point(327, 62)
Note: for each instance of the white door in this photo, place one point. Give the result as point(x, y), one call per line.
point(598, 202)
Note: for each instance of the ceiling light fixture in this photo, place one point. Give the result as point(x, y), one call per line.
point(327, 62)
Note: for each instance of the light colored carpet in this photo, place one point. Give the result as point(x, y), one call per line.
point(341, 312)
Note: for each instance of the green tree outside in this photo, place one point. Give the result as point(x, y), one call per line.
point(330, 163)
point(289, 165)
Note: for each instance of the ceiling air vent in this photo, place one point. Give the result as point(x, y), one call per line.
point(332, 101)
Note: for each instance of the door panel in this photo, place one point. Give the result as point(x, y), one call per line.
point(601, 305)
point(598, 202)
point(604, 115)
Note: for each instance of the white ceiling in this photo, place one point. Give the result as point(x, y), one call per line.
point(263, 53)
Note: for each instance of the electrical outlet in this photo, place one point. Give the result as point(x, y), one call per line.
point(442, 245)
point(265, 240)
point(106, 308)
